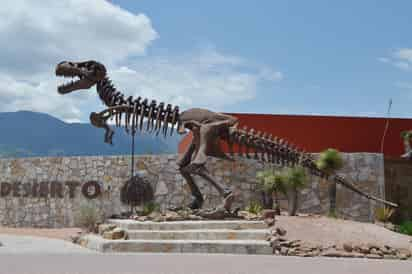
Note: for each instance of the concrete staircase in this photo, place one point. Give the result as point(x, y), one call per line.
point(233, 237)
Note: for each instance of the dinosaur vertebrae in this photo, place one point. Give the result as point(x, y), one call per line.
point(268, 148)
point(134, 110)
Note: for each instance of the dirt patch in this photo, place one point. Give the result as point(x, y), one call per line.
point(329, 231)
point(54, 233)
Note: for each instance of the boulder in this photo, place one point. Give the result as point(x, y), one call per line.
point(348, 247)
point(268, 213)
point(269, 221)
point(115, 234)
point(105, 227)
point(281, 231)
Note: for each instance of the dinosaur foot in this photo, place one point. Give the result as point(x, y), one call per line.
point(228, 201)
point(196, 203)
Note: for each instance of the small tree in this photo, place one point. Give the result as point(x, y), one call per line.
point(295, 179)
point(329, 161)
point(271, 182)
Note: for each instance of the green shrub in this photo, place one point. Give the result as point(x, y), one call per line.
point(329, 160)
point(405, 228)
point(270, 180)
point(88, 217)
point(149, 208)
point(295, 177)
point(383, 214)
point(254, 207)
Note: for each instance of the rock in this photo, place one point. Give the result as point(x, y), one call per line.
point(194, 217)
point(404, 253)
point(74, 239)
point(172, 216)
point(373, 256)
point(370, 246)
point(268, 213)
point(357, 255)
point(270, 221)
point(390, 226)
point(142, 218)
point(284, 251)
point(83, 242)
point(390, 257)
point(347, 247)
point(247, 215)
point(106, 227)
point(281, 231)
point(334, 253)
point(154, 215)
point(364, 249)
point(387, 250)
point(376, 251)
point(282, 239)
point(274, 242)
point(115, 234)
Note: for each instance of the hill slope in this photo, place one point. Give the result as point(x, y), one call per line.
point(25, 133)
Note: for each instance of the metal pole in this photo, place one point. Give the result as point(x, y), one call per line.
point(386, 125)
point(132, 169)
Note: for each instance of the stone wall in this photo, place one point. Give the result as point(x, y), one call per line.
point(398, 187)
point(49, 192)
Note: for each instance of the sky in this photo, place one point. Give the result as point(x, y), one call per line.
point(279, 57)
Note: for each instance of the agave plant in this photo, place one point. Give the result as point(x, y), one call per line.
point(271, 182)
point(295, 179)
point(329, 161)
point(383, 214)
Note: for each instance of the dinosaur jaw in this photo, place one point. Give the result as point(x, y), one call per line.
point(84, 75)
point(78, 82)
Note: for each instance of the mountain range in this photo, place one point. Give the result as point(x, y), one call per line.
point(33, 134)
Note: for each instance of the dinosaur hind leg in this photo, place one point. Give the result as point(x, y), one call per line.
point(183, 163)
point(225, 192)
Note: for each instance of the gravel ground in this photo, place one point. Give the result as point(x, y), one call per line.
point(58, 233)
point(329, 231)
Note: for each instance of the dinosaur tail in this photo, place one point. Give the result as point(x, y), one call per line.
point(274, 150)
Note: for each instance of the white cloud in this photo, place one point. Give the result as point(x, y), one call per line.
point(35, 35)
point(401, 58)
point(204, 78)
point(404, 54)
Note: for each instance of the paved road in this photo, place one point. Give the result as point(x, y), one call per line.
point(14, 244)
point(34, 255)
point(191, 263)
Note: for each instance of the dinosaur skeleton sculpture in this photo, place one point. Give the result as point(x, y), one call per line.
point(208, 129)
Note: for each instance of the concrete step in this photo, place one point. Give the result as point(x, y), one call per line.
point(188, 225)
point(97, 243)
point(199, 234)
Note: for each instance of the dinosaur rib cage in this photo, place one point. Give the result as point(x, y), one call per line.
point(134, 111)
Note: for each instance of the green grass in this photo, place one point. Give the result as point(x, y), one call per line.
point(254, 207)
point(405, 228)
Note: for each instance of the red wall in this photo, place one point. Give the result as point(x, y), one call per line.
point(316, 133)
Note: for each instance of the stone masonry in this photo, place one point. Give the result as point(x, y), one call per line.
point(21, 209)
